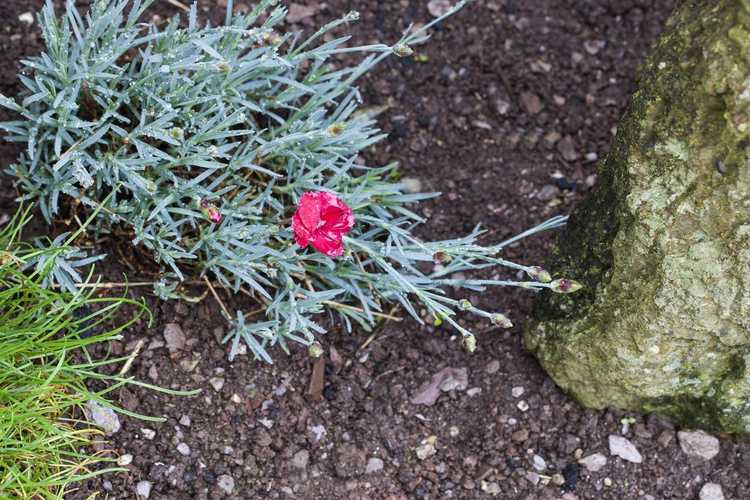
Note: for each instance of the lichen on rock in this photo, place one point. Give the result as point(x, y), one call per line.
point(662, 244)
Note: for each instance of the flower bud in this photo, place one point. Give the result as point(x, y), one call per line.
point(438, 320)
point(210, 211)
point(565, 285)
point(403, 50)
point(315, 350)
point(539, 274)
point(271, 38)
point(177, 133)
point(441, 257)
point(465, 305)
point(501, 320)
point(470, 343)
point(335, 129)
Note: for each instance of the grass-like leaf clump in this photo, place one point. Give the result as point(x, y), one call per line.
point(205, 139)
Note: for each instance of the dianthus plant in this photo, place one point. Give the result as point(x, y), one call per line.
point(231, 154)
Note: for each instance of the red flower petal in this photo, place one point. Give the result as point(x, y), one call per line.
point(309, 211)
point(329, 244)
point(302, 235)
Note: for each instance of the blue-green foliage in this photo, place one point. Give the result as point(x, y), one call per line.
point(142, 124)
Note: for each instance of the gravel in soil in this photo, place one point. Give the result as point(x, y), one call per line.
point(506, 113)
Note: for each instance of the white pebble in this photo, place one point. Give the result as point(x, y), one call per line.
point(104, 417)
point(594, 463)
point(711, 491)
point(217, 383)
point(623, 448)
point(143, 489)
point(26, 17)
point(226, 483)
point(539, 463)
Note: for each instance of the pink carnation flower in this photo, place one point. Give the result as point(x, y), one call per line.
point(322, 220)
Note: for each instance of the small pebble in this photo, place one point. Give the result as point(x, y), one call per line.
point(711, 491)
point(523, 405)
point(439, 7)
point(698, 444)
point(374, 465)
point(520, 436)
point(225, 483)
point(594, 463)
point(125, 459)
point(533, 478)
point(217, 383)
point(411, 185)
point(517, 392)
point(148, 434)
point(426, 448)
point(318, 431)
point(175, 337)
point(103, 417)
point(280, 390)
point(594, 46)
point(623, 448)
point(301, 459)
point(184, 449)
point(491, 488)
point(143, 489)
point(185, 420)
point(547, 193)
point(531, 103)
point(502, 106)
point(26, 17)
point(492, 367)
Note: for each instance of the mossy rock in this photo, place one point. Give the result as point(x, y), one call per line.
point(662, 244)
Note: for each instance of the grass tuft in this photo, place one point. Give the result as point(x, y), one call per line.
point(46, 374)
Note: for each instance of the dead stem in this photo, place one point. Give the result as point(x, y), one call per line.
point(218, 299)
point(179, 5)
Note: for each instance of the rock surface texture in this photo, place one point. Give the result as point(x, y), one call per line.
point(663, 243)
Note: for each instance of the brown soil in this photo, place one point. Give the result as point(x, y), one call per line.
point(505, 116)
